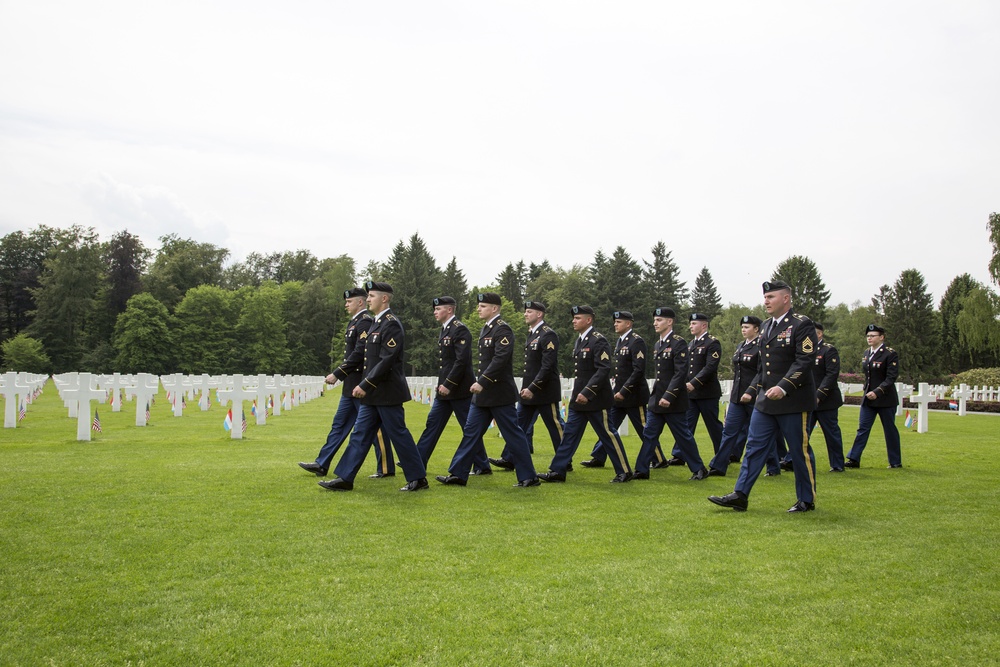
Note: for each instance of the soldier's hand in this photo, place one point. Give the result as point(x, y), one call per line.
point(871, 396)
point(619, 397)
point(476, 388)
point(443, 390)
point(690, 387)
point(526, 394)
point(358, 392)
point(775, 394)
point(332, 380)
point(664, 403)
point(581, 399)
point(746, 398)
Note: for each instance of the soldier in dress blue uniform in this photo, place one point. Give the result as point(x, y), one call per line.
point(631, 391)
point(382, 391)
point(786, 394)
point(349, 372)
point(746, 363)
point(454, 379)
point(541, 389)
point(494, 395)
point(668, 399)
point(704, 390)
point(881, 368)
point(826, 375)
point(589, 402)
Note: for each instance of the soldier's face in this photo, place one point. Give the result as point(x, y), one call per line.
point(442, 313)
point(777, 302)
point(749, 331)
point(874, 338)
point(621, 326)
point(487, 310)
point(377, 301)
point(353, 305)
point(581, 322)
point(662, 324)
point(532, 316)
point(698, 327)
point(819, 334)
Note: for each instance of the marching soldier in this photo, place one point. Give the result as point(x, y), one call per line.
point(746, 363)
point(704, 390)
point(881, 368)
point(826, 375)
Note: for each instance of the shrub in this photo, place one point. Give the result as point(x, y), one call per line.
point(978, 377)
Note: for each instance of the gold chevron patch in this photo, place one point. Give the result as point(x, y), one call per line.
point(807, 345)
point(364, 334)
point(640, 356)
point(550, 346)
point(604, 355)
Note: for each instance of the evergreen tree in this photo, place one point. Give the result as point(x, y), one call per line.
point(142, 337)
point(662, 286)
point(261, 331)
point(453, 284)
point(22, 260)
point(512, 282)
point(912, 327)
point(705, 297)
point(535, 270)
point(204, 331)
point(809, 293)
point(956, 356)
point(416, 280)
point(181, 264)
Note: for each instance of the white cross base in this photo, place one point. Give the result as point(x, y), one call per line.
point(83, 395)
point(922, 399)
point(237, 394)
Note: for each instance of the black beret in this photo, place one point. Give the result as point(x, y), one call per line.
point(819, 326)
point(534, 305)
point(624, 315)
point(444, 301)
point(750, 319)
point(665, 312)
point(874, 327)
point(373, 286)
point(353, 292)
point(698, 317)
point(775, 285)
point(489, 297)
point(582, 310)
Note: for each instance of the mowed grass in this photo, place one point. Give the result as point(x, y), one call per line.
point(175, 545)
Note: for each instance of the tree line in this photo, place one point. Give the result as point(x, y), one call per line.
point(70, 301)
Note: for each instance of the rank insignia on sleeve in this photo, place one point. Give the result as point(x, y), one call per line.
point(715, 355)
point(550, 346)
point(640, 356)
point(604, 355)
point(391, 343)
point(504, 341)
point(461, 342)
point(807, 345)
point(364, 334)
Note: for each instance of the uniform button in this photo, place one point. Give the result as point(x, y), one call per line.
point(769, 372)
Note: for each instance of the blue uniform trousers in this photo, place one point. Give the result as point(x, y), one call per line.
point(831, 433)
point(392, 420)
point(865, 422)
point(607, 434)
point(343, 422)
point(734, 435)
point(637, 417)
point(437, 420)
point(708, 408)
point(526, 416)
point(777, 453)
point(685, 448)
point(763, 429)
point(479, 421)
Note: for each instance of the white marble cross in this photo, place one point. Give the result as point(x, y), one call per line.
point(902, 389)
point(11, 389)
point(260, 393)
point(922, 399)
point(83, 395)
point(66, 381)
point(115, 383)
point(175, 385)
point(963, 394)
point(146, 386)
point(237, 394)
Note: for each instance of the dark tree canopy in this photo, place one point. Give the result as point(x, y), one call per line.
point(809, 293)
point(705, 297)
point(912, 326)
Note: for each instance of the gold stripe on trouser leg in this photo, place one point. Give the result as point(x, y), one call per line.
point(616, 439)
point(555, 418)
point(805, 452)
point(381, 448)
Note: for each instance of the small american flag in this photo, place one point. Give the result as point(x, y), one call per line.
point(244, 421)
point(22, 412)
point(147, 410)
point(96, 425)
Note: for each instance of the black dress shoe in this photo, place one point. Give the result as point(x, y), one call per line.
point(675, 461)
point(592, 463)
point(482, 471)
point(895, 465)
point(380, 475)
point(640, 475)
point(552, 477)
point(786, 465)
point(732, 500)
point(836, 470)
point(701, 474)
point(621, 478)
point(569, 467)
point(416, 485)
point(337, 484)
point(734, 459)
point(851, 463)
point(314, 468)
point(801, 506)
point(525, 483)
point(451, 480)
point(502, 463)
point(712, 472)
point(772, 473)
point(659, 464)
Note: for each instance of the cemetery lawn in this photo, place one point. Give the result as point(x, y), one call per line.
point(175, 545)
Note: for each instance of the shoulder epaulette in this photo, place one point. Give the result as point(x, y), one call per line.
point(597, 334)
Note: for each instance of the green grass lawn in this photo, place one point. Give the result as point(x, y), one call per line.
point(175, 545)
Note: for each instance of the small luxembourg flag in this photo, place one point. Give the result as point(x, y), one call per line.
point(952, 405)
point(908, 422)
point(253, 408)
point(227, 423)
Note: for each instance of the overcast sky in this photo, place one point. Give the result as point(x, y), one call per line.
point(863, 134)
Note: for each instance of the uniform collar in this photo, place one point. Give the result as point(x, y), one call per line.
point(445, 325)
point(379, 316)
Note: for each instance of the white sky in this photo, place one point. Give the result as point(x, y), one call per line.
point(863, 134)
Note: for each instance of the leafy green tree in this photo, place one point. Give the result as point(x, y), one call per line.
point(912, 326)
point(261, 331)
point(338, 273)
point(417, 280)
point(809, 293)
point(22, 259)
point(311, 313)
point(66, 297)
point(24, 354)
point(726, 327)
point(978, 325)
point(181, 264)
point(993, 226)
point(955, 355)
point(300, 265)
point(142, 338)
point(845, 329)
point(705, 297)
point(204, 332)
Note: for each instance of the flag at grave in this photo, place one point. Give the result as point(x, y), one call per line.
point(244, 421)
point(147, 410)
point(253, 408)
point(908, 422)
point(952, 405)
point(96, 425)
point(227, 423)
point(21, 411)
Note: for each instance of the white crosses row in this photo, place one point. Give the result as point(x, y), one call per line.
point(15, 388)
